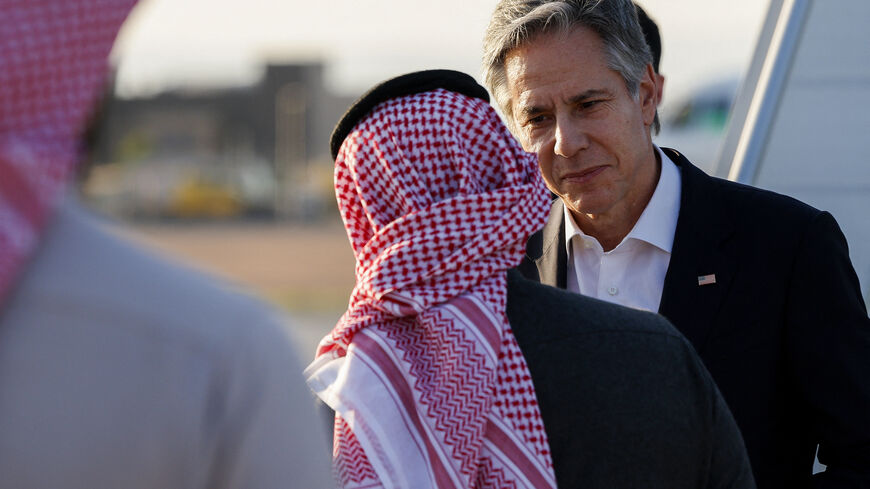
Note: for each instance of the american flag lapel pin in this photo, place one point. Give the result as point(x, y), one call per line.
point(707, 279)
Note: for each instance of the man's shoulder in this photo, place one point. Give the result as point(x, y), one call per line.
point(116, 285)
point(141, 348)
point(603, 373)
point(551, 314)
point(745, 203)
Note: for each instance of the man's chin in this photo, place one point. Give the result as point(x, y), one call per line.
point(584, 207)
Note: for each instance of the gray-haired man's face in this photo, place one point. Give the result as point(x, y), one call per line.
point(591, 135)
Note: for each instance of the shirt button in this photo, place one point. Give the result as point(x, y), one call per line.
point(613, 290)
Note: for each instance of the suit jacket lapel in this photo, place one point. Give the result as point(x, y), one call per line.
point(552, 263)
point(700, 250)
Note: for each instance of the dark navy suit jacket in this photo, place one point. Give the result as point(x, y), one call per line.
point(783, 330)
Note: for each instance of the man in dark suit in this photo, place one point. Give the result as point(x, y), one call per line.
point(760, 283)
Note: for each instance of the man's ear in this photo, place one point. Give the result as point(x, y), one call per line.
point(649, 94)
point(660, 86)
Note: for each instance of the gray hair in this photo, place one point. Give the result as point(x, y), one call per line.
point(516, 22)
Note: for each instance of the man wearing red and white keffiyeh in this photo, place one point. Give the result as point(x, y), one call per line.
point(117, 368)
point(429, 386)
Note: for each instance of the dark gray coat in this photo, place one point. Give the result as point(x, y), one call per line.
point(626, 401)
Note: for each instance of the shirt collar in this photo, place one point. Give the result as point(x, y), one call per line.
point(658, 222)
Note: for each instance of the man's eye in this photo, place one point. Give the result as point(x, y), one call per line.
point(536, 120)
point(590, 103)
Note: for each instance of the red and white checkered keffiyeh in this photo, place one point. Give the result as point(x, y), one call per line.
point(53, 58)
point(429, 386)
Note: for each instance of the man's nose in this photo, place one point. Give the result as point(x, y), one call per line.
point(570, 137)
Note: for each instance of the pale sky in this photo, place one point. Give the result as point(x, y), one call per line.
point(171, 43)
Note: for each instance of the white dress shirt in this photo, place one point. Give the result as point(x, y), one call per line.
point(633, 273)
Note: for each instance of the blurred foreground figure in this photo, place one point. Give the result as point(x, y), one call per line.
point(116, 369)
point(448, 371)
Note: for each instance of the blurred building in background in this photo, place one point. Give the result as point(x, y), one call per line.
point(258, 150)
point(696, 123)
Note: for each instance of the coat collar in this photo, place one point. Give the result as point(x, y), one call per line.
point(701, 249)
point(549, 254)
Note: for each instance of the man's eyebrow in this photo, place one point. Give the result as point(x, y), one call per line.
point(532, 110)
point(595, 92)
